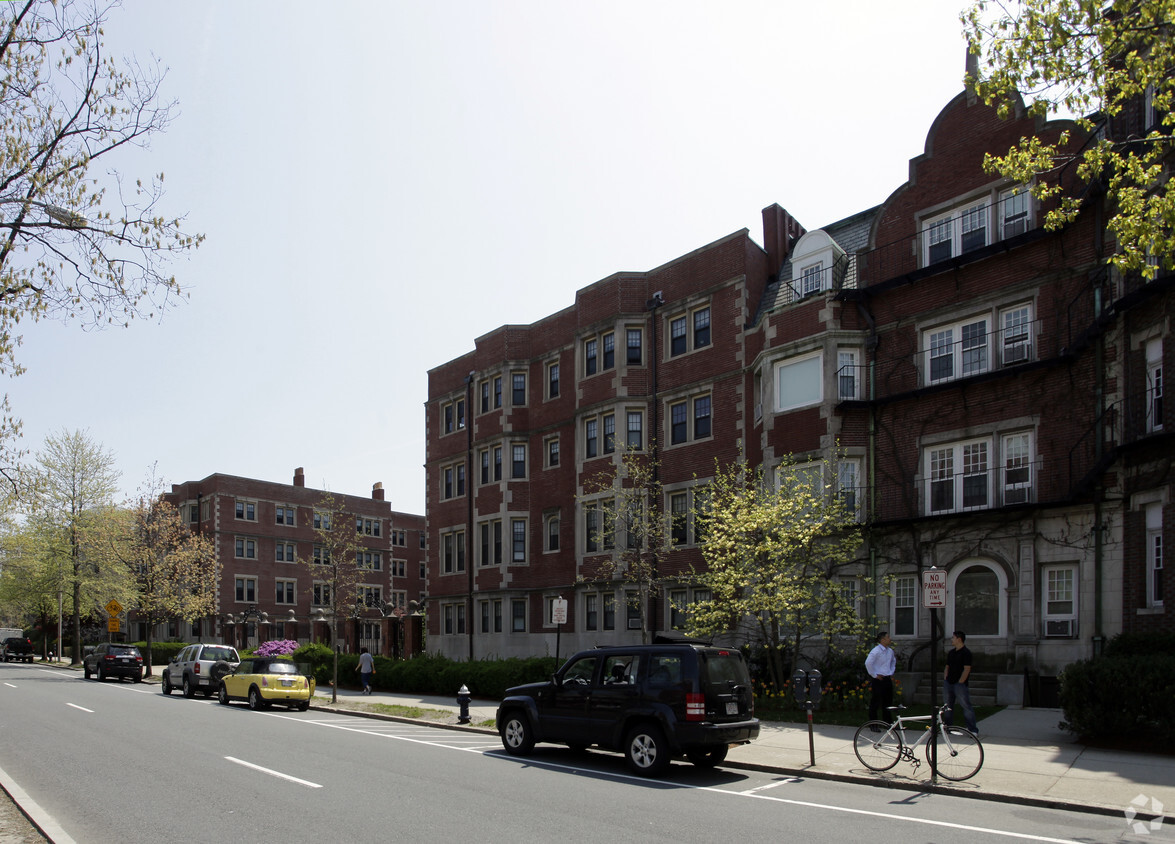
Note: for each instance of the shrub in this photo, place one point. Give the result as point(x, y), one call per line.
point(1121, 697)
point(161, 652)
point(1140, 644)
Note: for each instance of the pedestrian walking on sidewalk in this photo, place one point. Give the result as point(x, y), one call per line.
point(881, 665)
point(366, 668)
point(955, 677)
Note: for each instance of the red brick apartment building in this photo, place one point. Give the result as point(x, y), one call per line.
point(261, 528)
point(992, 392)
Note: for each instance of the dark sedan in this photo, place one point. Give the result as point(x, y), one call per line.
point(113, 660)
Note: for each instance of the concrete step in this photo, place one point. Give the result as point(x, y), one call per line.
point(983, 689)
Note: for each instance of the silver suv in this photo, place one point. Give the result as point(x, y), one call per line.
point(199, 667)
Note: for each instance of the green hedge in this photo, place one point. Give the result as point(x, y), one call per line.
point(432, 675)
point(161, 652)
point(1125, 696)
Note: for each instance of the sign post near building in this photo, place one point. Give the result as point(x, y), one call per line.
point(559, 617)
point(114, 609)
point(934, 597)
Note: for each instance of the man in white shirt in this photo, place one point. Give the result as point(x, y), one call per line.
point(881, 665)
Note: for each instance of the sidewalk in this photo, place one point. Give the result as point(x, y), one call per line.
point(1028, 759)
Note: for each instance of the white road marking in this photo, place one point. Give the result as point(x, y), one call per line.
point(10, 685)
point(82, 708)
point(273, 773)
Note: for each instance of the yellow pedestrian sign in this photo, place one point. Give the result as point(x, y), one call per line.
point(114, 607)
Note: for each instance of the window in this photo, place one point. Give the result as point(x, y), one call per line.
point(452, 481)
point(497, 391)
point(591, 611)
point(552, 451)
point(399, 568)
point(453, 416)
point(958, 477)
point(246, 590)
point(975, 591)
point(447, 417)
point(553, 532)
point(518, 540)
point(1015, 208)
point(400, 537)
point(955, 232)
point(518, 389)
point(905, 614)
point(518, 616)
point(1154, 555)
point(686, 328)
point(453, 552)
point(1060, 601)
point(193, 513)
point(497, 463)
point(491, 542)
point(321, 556)
point(284, 516)
point(1015, 335)
point(1154, 385)
point(590, 356)
point(321, 596)
point(553, 380)
point(491, 616)
point(321, 521)
point(609, 433)
point(454, 618)
point(609, 345)
point(689, 419)
point(591, 526)
point(679, 518)
point(484, 391)
point(1150, 116)
point(848, 485)
point(284, 552)
point(518, 461)
point(850, 593)
point(635, 436)
point(367, 527)
point(632, 603)
point(284, 591)
point(246, 549)
point(1017, 452)
point(811, 279)
point(634, 339)
point(701, 327)
point(246, 510)
point(846, 375)
point(609, 600)
point(483, 459)
point(799, 382)
point(590, 437)
point(371, 560)
point(956, 351)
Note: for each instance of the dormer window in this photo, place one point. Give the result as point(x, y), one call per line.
point(815, 258)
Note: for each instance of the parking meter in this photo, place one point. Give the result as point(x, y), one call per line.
point(799, 685)
point(815, 687)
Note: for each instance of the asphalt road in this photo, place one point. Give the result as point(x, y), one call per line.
point(120, 762)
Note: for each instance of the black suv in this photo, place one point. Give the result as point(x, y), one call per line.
point(17, 648)
point(652, 702)
point(114, 660)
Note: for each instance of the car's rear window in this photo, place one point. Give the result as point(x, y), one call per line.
point(124, 650)
point(725, 667)
point(220, 653)
point(282, 668)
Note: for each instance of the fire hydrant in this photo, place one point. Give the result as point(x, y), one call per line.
point(463, 699)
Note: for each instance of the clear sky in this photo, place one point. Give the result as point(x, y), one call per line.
point(381, 182)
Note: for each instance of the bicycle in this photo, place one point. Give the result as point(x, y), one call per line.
point(881, 745)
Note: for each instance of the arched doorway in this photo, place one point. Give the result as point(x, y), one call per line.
point(978, 607)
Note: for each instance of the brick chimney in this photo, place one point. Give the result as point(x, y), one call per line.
point(377, 491)
point(299, 477)
point(780, 230)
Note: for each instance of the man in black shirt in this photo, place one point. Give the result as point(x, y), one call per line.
point(955, 677)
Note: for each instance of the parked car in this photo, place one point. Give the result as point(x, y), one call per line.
point(17, 648)
point(652, 702)
point(111, 659)
point(199, 667)
point(266, 680)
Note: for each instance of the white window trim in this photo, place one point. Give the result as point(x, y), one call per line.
point(1155, 552)
point(957, 476)
point(1069, 619)
point(893, 607)
point(1001, 604)
point(848, 359)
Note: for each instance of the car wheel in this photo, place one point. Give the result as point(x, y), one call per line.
point(517, 736)
point(709, 757)
point(222, 695)
point(256, 702)
point(188, 690)
point(165, 686)
point(646, 750)
point(101, 674)
point(86, 670)
point(139, 677)
point(304, 706)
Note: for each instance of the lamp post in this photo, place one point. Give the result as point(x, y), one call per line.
point(320, 615)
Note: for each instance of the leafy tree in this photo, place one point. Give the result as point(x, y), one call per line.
point(334, 567)
point(176, 573)
point(74, 483)
point(28, 585)
point(73, 246)
point(1092, 58)
point(632, 535)
point(773, 557)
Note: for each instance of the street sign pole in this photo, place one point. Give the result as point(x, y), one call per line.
point(934, 596)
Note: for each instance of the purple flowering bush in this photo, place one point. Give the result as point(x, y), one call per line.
point(277, 647)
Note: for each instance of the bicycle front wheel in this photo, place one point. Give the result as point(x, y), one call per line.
point(877, 746)
point(960, 755)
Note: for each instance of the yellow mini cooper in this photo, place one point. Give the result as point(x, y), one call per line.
point(266, 680)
